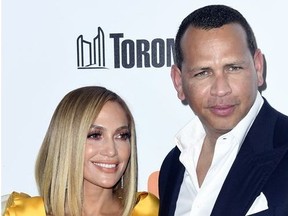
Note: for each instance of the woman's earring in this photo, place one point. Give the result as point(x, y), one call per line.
point(122, 182)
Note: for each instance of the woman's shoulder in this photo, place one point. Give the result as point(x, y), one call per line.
point(147, 204)
point(23, 204)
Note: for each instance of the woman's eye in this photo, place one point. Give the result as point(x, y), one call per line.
point(95, 135)
point(124, 136)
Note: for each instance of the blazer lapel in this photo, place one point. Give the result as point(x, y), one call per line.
point(173, 175)
point(252, 167)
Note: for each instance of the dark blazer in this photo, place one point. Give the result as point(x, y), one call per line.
point(260, 166)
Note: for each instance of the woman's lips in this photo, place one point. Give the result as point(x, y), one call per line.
point(106, 167)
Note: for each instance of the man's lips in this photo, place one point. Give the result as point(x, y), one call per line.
point(223, 110)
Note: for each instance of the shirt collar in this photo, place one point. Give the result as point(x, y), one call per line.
point(193, 133)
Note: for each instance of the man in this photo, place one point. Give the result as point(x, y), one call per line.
point(232, 158)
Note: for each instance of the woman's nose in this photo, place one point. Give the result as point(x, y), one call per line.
point(109, 148)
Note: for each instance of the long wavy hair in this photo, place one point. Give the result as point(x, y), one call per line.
point(59, 166)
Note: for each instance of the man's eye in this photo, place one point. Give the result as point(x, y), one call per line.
point(234, 68)
point(202, 74)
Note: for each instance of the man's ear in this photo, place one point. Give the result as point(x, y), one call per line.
point(176, 76)
point(259, 66)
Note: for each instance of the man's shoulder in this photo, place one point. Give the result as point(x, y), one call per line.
point(269, 109)
point(273, 123)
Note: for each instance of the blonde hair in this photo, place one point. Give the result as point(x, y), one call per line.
point(59, 166)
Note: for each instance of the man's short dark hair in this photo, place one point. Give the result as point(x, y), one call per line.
point(209, 17)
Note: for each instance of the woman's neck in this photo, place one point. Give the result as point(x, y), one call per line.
point(100, 201)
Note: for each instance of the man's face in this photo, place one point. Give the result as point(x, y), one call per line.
point(219, 77)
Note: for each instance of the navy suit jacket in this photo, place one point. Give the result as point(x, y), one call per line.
point(260, 166)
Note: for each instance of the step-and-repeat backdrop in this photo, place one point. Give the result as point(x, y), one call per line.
point(52, 47)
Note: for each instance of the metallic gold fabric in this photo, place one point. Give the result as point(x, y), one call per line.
point(147, 205)
point(21, 204)
point(24, 205)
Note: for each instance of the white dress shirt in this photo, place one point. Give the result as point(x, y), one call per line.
point(195, 201)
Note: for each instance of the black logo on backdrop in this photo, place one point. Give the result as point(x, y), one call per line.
point(127, 53)
point(91, 54)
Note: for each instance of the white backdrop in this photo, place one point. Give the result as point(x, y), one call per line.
point(39, 66)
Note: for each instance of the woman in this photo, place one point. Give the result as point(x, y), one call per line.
point(87, 164)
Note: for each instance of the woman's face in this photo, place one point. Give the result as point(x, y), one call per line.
point(107, 150)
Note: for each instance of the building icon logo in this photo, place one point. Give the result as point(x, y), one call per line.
point(126, 52)
point(91, 55)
